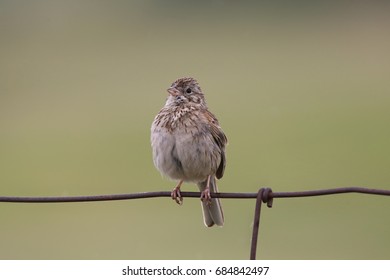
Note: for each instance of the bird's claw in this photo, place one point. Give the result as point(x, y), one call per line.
point(205, 196)
point(176, 196)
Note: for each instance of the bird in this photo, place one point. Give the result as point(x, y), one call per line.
point(188, 145)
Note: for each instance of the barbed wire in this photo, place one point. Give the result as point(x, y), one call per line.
point(264, 195)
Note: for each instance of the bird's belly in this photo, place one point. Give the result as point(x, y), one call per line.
point(185, 157)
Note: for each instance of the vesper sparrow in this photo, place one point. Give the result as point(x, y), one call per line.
point(189, 145)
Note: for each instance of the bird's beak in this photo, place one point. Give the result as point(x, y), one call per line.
point(173, 91)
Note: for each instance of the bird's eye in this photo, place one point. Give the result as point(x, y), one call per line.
point(188, 90)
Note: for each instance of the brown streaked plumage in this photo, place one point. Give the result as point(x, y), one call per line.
point(189, 145)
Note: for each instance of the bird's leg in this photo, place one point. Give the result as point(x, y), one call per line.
point(205, 195)
point(175, 194)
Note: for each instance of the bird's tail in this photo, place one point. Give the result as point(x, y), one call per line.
point(212, 212)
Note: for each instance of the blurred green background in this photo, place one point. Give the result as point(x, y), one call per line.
point(302, 90)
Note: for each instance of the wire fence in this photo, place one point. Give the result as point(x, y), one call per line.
point(264, 195)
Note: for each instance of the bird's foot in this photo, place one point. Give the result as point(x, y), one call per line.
point(176, 195)
point(205, 196)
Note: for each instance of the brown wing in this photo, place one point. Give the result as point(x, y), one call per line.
point(220, 139)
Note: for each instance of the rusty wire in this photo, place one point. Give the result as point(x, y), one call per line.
point(264, 195)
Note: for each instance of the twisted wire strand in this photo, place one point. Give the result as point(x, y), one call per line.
point(264, 195)
point(241, 195)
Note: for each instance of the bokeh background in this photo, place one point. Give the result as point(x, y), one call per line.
point(301, 88)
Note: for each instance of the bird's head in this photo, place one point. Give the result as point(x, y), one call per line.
point(185, 90)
